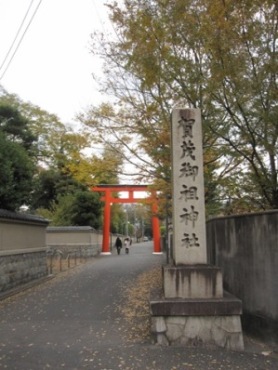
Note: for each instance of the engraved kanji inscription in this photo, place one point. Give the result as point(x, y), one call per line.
point(187, 126)
point(190, 241)
point(189, 193)
point(188, 149)
point(189, 228)
point(190, 215)
point(188, 170)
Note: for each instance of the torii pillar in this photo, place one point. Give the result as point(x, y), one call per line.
point(106, 224)
point(109, 199)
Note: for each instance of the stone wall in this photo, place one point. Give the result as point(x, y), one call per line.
point(245, 247)
point(22, 249)
point(81, 240)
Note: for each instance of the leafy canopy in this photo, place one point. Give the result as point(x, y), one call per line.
point(218, 56)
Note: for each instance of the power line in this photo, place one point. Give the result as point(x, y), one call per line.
point(101, 19)
point(21, 39)
point(98, 14)
point(16, 36)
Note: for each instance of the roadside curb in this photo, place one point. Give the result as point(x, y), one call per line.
point(23, 287)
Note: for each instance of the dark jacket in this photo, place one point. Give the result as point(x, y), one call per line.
point(118, 243)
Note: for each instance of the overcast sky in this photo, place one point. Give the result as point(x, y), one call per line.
point(53, 65)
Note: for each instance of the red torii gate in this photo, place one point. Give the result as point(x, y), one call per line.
point(108, 198)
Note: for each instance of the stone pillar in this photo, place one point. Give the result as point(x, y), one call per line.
point(197, 280)
point(189, 233)
point(192, 308)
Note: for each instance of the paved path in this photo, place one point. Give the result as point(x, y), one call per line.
point(73, 322)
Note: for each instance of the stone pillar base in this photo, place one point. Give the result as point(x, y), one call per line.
point(193, 310)
point(199, 331)
point(192, 281)
point(197, 322)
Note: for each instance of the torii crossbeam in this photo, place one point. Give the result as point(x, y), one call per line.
point(109, 199)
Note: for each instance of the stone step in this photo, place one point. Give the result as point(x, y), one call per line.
point(224, 306)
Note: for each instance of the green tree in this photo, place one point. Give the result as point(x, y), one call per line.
point(52, 183)
point(16, 175)
point(17, 156)
point(48, 130)
point(86, 209)
point(65, 201)
point(51, 174)
point(16, 127)
point(82, 208)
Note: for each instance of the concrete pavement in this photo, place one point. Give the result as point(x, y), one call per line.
point(75, 321)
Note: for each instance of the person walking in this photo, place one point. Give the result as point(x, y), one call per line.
point(127, 243)
point(118, 245)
